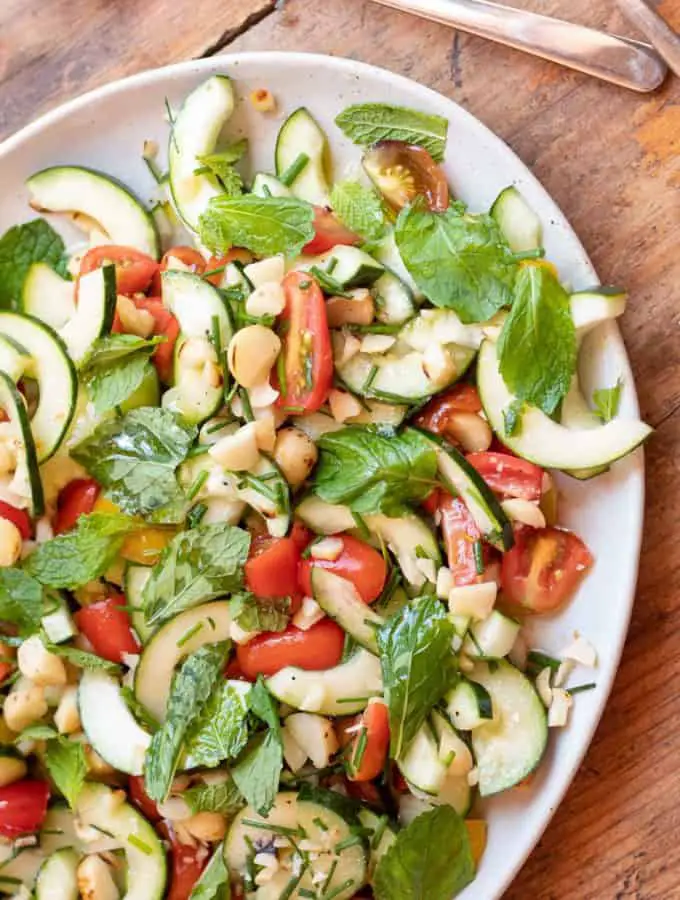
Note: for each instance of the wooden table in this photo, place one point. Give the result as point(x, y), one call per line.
point(611, 159)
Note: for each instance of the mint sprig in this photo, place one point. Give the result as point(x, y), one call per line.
point(265, 225)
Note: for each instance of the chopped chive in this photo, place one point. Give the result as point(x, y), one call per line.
point(215, 334)
point(580, 688)
point(158, 176)
point(198, 450)
point(216, 271)
point(332, 265)
point(358, 755)
point(294, 881)
point(293, 409)
point(283, 830)
point(371, 378)
point(249, 879)
point(294, 169)
point(352, 699)
point(195, 514)
point(536, 661)
point(202, 170)
point(189, 634)
point(331, 873)
point(281, 374)
point(382, 328)
point(536, 253)
point(304, 285)
point(305, 892)
point(217, 426)
point(320, 824)
point(360, 522)
point(9, 880)
point(479, 557)
point(139, 844)
point(328, 284)
point(351, 841)
point(339, 889)
point(212, 622)
point(198, 483)
point(247, 408)
point(379, 831)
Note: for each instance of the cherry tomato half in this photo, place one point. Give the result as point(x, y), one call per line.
point(18, 517)
point(436, 415)
point(462, 539)
point(236, 254)
point(307, 353)
point(165, 324)
point(23, 807)
point(300, 535)
point(75, 500)
point(367, 740)
point(509, 475)
point(328, 233)
point(134, 270)
point(187, 862)
point(320, 647)
point(141, 799)
point(544, 568)
point(272, 569)
point(107, 628)
point(358, 563)
point(402, 172)
point(188, 256)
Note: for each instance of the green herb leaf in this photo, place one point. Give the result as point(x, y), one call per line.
point(375, 470)
point(20, 247)
point(226, 157)
point(257, 614)
point(109, 387)
point(431, 859)
point(140, 712)
point(367, 123)
point(135, 457)
point(359, 208)
point(265, 225)
point(82, 658)
point(258, 772)
point(214, 882)
point(537, 346)
point(221, 167)
point(196, 566)
point(114, 347)
point(606, 401)
point(222, 797)
point(459, 261)
point(21, 599)
point(512, 418)
point(36, 733)
point(72, 559)
point(417, 663)
point(221, 732)
point(66, 763)
point(190, 691)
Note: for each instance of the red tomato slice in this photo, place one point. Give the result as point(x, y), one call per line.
point(18, 517)
point(236, 254)
point(187, 255)
point(187, 862)
point(168, 326)
point(272, 569)
point(234, 671)
point(75, 500)
point(5, 669)
point(134, 270)
point(23, 807)
point(141, 799)
point(300, 535)
point(509, 475)
point(107, 628)
point(307, 353)
point(461, 536)
point(544, 568)
point(431, 503)
point(328, 232)
point(320, 647)
point(461, 398)
point(369, 741)
point(358, 563)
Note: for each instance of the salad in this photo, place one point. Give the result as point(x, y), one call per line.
point(275, 503)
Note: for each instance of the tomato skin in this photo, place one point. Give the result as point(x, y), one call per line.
point(358, 563)
point(75, 500)
point(544, 568)
point(508, 474)
point(272, 569)
point(107, 628)
point(18, 517)
point(431, 503)
point(187, 862)
point(236, 254)
point(5, 669)
point(305, 320)
point(329, 232)
point(435, 416)
point(23, 807)
point(300, 535)
point(134, 270)
point(374, 721)
point(318, 648)
point(187, 255)
point(402, 172)
point(460, 532)
point(141, 799)
point(165, 324)
point(234, 672)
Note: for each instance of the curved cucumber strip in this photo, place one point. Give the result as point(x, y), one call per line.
point(94, 314)
point(15, 360)
point(57, 879)
point(576, 413)
point(339, 599)
point(300, 133)
point(194, 133)
point(545, 442)
point(136, 578)
point(57, 381)
point(598, 305)
point(121, 215)
point(519, 224)
point(25, 483)
point(48, 296)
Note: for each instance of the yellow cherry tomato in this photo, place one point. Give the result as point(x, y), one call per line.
point(477, 834)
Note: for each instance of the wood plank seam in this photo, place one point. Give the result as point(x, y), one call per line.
point(230, 35)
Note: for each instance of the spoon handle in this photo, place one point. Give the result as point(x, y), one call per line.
point(653, 26)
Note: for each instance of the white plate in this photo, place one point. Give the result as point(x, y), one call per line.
point(106, 129)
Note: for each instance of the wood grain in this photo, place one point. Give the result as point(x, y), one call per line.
point(611, 160)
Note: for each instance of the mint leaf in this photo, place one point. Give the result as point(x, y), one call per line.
point(138, 710)
point(214, 882)
point(458, 260)
point(512, 418)
point(606, 401)
point(112, 385)
point(191, 688)
point(220, 166)
point(21, 599)
point(258, 772)
point(196, 566)
point(217, 796)
point(265, 225)
point(82, 658)
point(115, 347)
point(66, 763)
point(72, 559)
point(416, 661)
point(263, 705)
point(537, 346)
point(359, 208)
point(367, 123)
point(134, 457)
point(20, 247)
point(375, 470)
point(221, 732)
point(431, 859)
point(257, 614)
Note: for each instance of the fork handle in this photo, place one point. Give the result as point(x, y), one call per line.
point(653, 26)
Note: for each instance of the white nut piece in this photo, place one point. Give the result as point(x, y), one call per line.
point(315, 734)
point(237, 452)
point(328, 548)
point(438, 364)
point(12, 769)
point(252, 353)
point(67, 716)
point(10, 543)
point(265, 433)
point(206, 826)
point(266, 300)
point(24, 706)
point(295, 455)
point(524, 511)
point(174, 808)
point(39, 665)
point(95, 881)
point(343, 405)
point(134, 321)
point(471, 431)
point(309, 614)
point(359, 309)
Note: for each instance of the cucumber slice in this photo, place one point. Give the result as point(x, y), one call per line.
point(170, 644)
point(388, 254)
point(18, 867)
point(316, 822)
point(591, 308)
point(339, 599)
point(519, 224)
point(58, 624)
point(100, 807)
point(455, 791)
point(509, 747)
point(194, 133)
point(198, 391)
point(197, 306)
point(341, 690)
point(576, 414)
point(15, 360)
point(94, 314)
point(469, 705)
point(136, 578)
point(24, 486)
point(57, 878)
point(463, 480)
point(381, 836)
point(120, 214)
point(299, 134)
point(56, 376)
point(350, 266)
point(493, 638)
point(265, 185)
point(325, 518)
point(48, 296)
point(59, 831)
point(545, 442)
point(393, 299)
point(440, 326)
point(109, 725)
point(421, 764)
